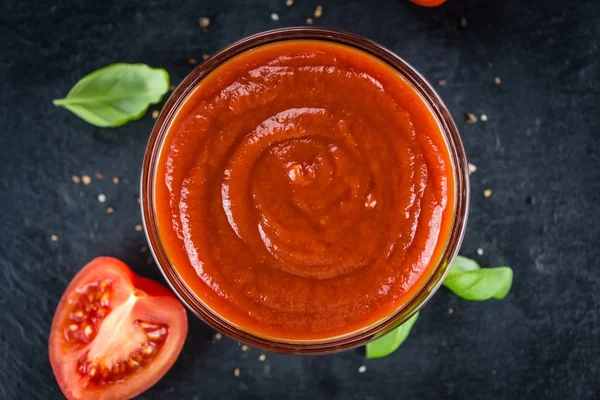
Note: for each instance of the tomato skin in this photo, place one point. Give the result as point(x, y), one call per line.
point(428, 3)
point(135, 299)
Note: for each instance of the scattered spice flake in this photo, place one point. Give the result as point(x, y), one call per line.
point(205, 57)
point(244, 347)
point(472, 168)
point(155, 114)
point(138, 228)
point(275, 17)
point(462, 21)
point(309, 21)
point(143, 249)
point(362, 369)
point(442, 82)
point(289, 3)
point(110, 210)
point(318, 11)
point(497, 81)
point(487, 192)
point(86, 180)
point(480, 251)
point(530, 200)
point(76, 179)
point(236, 372)
point(471, 119)
point(262, 357)
point(116, 180)
point(451, 310)
point(99, 175)
point(192, 61)
point(54, 238)
point(483, 117)
point(204, 23)
point(101, 198)
point(172, 87)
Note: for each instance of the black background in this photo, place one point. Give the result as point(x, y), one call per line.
point(541, 140)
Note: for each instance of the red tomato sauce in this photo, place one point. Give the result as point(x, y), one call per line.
point(304, 191)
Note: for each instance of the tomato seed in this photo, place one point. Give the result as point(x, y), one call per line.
point(87, 330)
point(156, 334)
point(105, 300)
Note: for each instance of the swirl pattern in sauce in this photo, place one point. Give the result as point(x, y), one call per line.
point(304, 191)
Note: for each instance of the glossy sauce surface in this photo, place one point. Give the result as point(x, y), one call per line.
point(304, 191)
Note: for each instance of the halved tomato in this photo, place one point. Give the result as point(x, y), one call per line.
point(114, 334)
point(428, 3)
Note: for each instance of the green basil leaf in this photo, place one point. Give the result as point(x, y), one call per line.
point(114, 95)
point(389, 343)
point(471, 282)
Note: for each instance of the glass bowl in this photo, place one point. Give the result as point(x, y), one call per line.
point(458, 161)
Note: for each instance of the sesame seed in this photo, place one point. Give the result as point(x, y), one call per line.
point(99, 175)
point(76, 179)
point(101, 198)
point(462, 21)
point(154, 115)
point(289, 3)
point(487, 192)
point(172, 87)
point(262, 357)
point(205, 57)
point(54, 238)
point(471, 118)
point(480, 251)
point(138, 228)
point(86, 180)
point(192, 61)
point(318, 11)
point(275, 17)
point(217, 336)
point(116, 180)
point(309, 21)
point(483, 117)
point(451, 310)
point(110, 210)
point(362, 369)
point(204, 23)
point(472, 168)
point(497, 81)
point(244, 347)
point(236, 372)
point(442, 82)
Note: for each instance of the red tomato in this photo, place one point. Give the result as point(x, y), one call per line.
point(114, 334)
point(428, 3)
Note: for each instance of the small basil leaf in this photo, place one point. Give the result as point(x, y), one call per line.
point(478, 284)
point(389, 343)
point(114, 95)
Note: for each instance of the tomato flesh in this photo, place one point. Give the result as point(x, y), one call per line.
point(114, 334)
point(428, 3)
